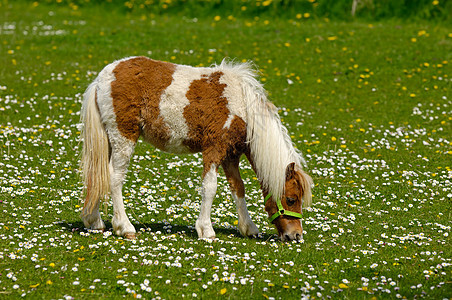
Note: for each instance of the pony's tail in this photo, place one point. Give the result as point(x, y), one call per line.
point(94, 162)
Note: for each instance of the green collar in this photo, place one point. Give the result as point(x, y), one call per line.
point(281, 211)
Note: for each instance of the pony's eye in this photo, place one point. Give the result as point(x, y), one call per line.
point(290, 201)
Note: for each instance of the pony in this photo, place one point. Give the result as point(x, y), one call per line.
point(221, 111)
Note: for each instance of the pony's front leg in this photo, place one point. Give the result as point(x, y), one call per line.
point(209, 188)
point(246, 225)
point(119, 162)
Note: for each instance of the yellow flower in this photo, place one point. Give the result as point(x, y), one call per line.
point(333, 139)
point(267, 2)
point(223, 291)
point(343, 286)
point(217, 18)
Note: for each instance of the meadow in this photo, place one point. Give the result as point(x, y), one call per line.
point(367, 102)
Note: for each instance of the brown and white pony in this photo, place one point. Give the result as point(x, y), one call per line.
point(221, 111)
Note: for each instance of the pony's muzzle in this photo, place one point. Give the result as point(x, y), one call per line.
point(292, 234)
point(291, 237)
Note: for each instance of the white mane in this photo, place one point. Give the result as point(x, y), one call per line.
point(270, 145)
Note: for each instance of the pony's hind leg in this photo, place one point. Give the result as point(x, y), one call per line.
point(209, 188)
point(92, 219)
point(119, 162)
point(231, 170)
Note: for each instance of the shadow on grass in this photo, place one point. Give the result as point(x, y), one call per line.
point(144, 228)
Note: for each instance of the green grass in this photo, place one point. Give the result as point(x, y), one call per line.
point(368, 104)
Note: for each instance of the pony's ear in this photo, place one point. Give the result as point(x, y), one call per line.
point(306, 183)
point(290, 171)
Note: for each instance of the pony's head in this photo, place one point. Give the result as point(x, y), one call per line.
point(285, 213)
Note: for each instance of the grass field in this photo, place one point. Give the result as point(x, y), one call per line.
point(369, 105)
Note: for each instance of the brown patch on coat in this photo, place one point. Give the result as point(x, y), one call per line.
point(229, 144)
point(136, 94)
point(206, 116)
point(237, 137)
point(207, 111)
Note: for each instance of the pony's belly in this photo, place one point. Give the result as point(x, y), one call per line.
point(177, 147)
point(173, 144)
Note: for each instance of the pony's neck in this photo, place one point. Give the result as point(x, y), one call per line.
point(271, 148)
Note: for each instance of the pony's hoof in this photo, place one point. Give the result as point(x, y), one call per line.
point(208, 239)
point(130, 236)
point(248, 228)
